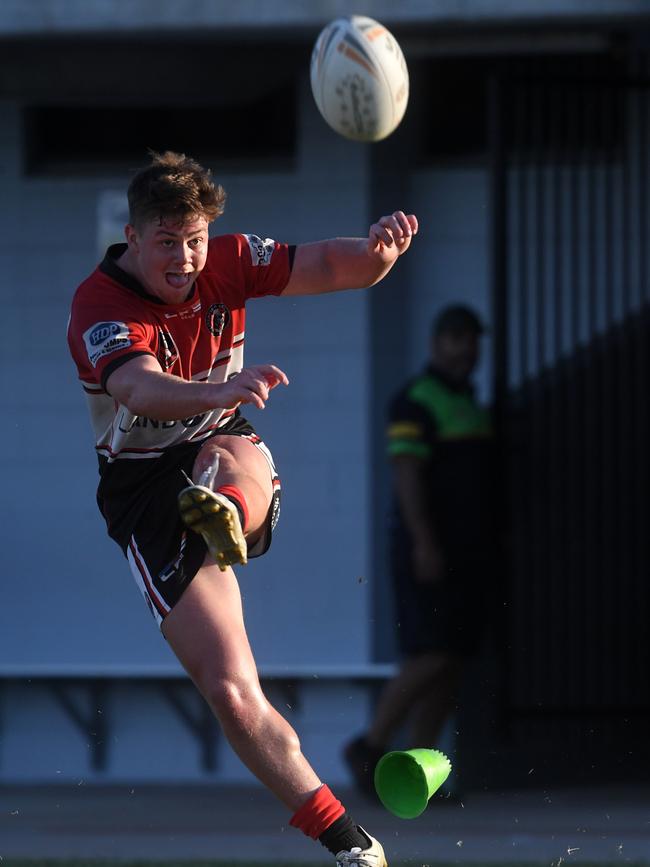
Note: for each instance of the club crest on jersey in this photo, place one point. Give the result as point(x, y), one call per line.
point(261, 250)
point(217, 318)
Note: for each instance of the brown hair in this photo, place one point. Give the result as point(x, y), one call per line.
point(174, 186)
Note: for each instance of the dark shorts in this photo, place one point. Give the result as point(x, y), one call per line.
point(449, 616)
point(163, 554)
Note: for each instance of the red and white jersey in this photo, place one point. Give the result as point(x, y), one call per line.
point(114, 319)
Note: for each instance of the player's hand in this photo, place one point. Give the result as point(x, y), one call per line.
point(428, 562)
point(251, 385)
point(391, 236)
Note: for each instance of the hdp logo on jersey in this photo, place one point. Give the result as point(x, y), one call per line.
point(102, 338)
point(261, 249)
point(217, 318)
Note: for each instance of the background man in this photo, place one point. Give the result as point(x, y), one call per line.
point(441, 540)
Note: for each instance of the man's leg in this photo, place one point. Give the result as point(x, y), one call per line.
point(419, 676)
point(206, 631)
point(416, 677)
point(436, 704)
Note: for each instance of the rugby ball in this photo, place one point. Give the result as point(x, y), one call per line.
point(359, 78)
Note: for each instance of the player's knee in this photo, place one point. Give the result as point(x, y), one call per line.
point(292, 741)
point(245, 714)
point(235, 701)
point(207, 457)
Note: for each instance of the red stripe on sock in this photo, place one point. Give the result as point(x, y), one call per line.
point(318, 813)
point(234, 493)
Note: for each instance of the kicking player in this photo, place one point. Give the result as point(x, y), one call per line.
point(187, 488)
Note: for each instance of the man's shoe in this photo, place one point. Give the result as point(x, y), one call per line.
point(361, 760)
point(216, 518)
point(373, 856)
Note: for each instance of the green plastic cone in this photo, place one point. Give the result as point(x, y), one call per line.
point(405, 780)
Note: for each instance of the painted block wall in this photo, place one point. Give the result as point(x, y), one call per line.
point(72, 600)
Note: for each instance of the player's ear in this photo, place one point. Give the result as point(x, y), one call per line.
point(131, 236)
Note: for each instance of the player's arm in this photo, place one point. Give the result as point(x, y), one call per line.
point(145, 389)
point(350, 263)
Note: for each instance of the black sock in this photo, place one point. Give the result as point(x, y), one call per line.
point(343, 835)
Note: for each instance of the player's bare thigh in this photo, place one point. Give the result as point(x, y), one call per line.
point(241, 464)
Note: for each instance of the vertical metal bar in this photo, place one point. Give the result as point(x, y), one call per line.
point(642, 194)
point(592, 246)
point(625, 411)
point(590, 542)
point(540, 469)
point(499, 293)
point(642, 384)
point(609, 508)
point(573, 275)
point(575, 129)
point(608, 121)
point(498, 243)
point(625, 118)
point(520, 462)
point(556, 469)
point(558, 103)
point(521, 111)
point(575, 381)
point(540, 225)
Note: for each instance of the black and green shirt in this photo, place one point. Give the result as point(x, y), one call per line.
point(443, 425)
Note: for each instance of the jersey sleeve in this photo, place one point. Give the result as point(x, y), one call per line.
point(102, 338)
point(266, 265)
point(410, 429)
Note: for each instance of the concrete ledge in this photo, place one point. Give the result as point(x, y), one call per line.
point(358, 671)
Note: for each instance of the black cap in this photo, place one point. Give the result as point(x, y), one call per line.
point(457, 319)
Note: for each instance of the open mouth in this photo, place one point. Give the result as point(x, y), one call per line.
point(179, 280)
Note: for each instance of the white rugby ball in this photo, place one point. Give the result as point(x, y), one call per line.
point(359, 78)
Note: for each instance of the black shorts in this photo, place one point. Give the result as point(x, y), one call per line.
point(448, 616)
point(163, 554)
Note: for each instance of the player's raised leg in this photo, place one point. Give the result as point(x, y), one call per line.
point(229, 502)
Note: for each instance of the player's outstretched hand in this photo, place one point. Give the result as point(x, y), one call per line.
point(251, 385)
point(391, 236)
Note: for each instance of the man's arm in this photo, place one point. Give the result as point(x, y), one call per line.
point(349, 263)
point(413, 496)
point(142, 386)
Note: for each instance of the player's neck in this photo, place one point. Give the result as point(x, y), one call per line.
point(128, 265)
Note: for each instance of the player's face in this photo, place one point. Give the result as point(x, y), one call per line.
point(457, 353)
point(168, 256)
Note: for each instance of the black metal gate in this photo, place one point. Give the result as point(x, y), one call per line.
point(571, 247)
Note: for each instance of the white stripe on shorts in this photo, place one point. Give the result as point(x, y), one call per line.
point(156, 604)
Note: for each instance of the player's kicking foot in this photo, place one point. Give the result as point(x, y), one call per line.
point(373, 856)
point(216, 518)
